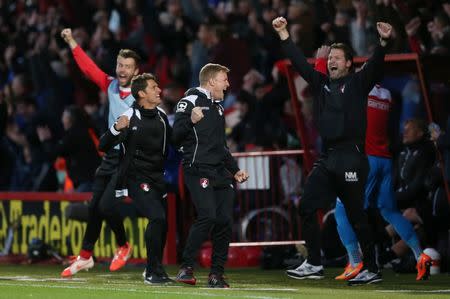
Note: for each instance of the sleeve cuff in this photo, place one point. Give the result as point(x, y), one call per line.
point(76, 49)
point(114, 131)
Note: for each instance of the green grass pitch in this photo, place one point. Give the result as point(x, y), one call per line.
point(43, 281)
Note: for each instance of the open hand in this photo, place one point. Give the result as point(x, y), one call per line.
point(384, 30)
point(323, 52)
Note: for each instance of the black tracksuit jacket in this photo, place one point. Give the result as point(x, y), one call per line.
point(340, 106)
point(202, 144)
point(144, 145)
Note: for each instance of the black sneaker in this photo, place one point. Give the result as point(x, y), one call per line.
point(186, 275)
point(153, 278)
point(217, 281)
point(365, 277)
point(161, 272)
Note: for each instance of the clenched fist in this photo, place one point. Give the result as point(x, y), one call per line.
point(280, 24)
point(197, 114)
point(122, 122)
point(241, 176)
point(66, 34)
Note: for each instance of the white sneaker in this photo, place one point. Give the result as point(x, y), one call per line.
point(77, 265)
point(306, 271)
point(365, 277)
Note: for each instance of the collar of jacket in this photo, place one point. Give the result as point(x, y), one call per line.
point(145, 112)
point(208, 95)
point(206, 92)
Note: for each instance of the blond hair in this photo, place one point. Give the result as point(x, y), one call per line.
point(209, 71)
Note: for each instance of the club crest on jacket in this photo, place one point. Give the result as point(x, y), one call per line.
point(204, 182)
point(145, 187)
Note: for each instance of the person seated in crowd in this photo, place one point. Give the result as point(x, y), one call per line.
point(410, 171)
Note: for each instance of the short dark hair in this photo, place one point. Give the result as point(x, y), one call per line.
point(419, 124)
point(139, 83)
point(127, 53)
point(348, 52)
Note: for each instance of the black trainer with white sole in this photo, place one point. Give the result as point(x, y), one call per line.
point(365, 277)
point(155, 279)
point(306, 271)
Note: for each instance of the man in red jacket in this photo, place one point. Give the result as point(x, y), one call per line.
point(103, 207)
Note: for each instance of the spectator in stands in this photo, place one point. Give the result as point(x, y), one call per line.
point(362, 33)
point(439, 29)
point(437, 195)
point(225, 44)
point(199, 51)
point(413, 164)
point(436, 219)
point(7, 158)
point(411, 168)
point(442, 142)
point(244, 134)
point(338, 31)
point(77, 146)
point(417, 183)
point(32, 171)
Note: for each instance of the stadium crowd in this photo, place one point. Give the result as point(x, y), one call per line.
point(46, 102)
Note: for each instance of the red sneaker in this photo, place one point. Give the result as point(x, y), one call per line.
point(77, 265)
point(423, 267)
point(350, 272)
point(121, 257)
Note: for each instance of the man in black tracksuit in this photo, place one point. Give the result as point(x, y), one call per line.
point(143, 132)
point(199, 133)
point(340, 110)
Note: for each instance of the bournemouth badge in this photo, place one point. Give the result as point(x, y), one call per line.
point(204, 182)
point(145, 187)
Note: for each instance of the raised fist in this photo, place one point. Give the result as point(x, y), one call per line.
point(279, 24)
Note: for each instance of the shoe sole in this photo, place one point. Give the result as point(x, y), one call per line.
point(315, 277)
point(157, 283)
point(352, 284)
point(71, 275)
point(348, 277)
point(426, 276)
point(187, 281)
point(118, 268)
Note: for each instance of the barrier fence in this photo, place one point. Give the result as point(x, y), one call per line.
point(45, 215)
point(264, 211)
